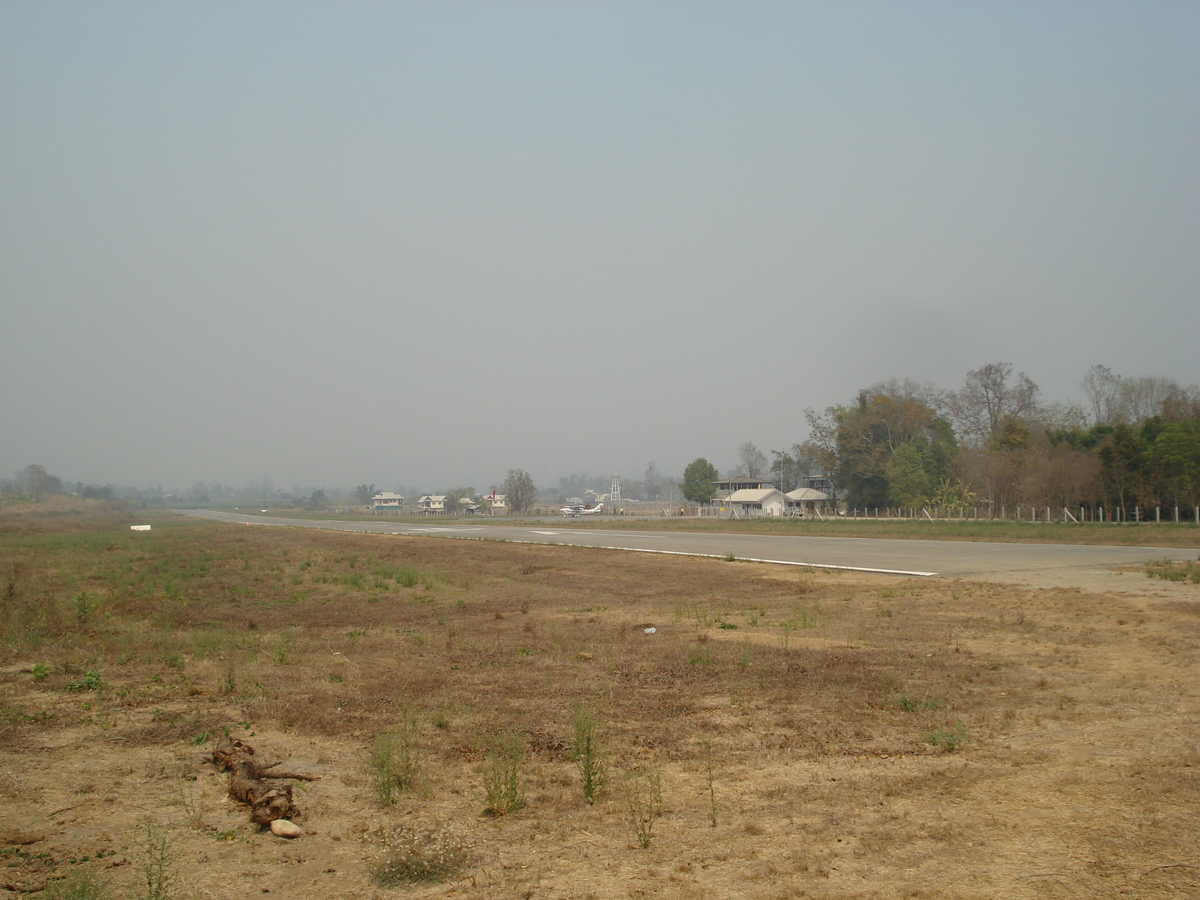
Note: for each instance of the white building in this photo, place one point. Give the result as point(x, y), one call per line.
point(386, 501)
point(806, 502)
point(751, 502)
point(430, 504)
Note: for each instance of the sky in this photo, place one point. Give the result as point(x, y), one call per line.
point(424, 243)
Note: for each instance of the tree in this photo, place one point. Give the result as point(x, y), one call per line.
point(788, 468)
point(37, 482)
point(909, 483)
point(988, 398)
point(1103, 390)
point(363, 493)
point(1175, 460)
point(652, 486)
point(1145, 397)
point(698, 478)
point(519, 490)
point(455, 498)
point(753, 460)
point(1123, 464)
point(318, 499)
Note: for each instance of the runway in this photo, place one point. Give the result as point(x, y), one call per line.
point(902, 557)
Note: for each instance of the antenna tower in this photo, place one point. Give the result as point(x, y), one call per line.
point(615, 494)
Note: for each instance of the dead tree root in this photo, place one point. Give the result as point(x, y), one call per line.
point(247, 782)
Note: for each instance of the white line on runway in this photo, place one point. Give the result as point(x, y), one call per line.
point(774, 562)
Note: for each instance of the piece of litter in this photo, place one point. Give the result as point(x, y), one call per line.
point(651, 630)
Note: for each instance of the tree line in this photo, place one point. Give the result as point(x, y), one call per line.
point(994, 443)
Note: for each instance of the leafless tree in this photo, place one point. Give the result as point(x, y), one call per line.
point(989, 397)
point(753, 460)
point(1103, 390)
point(653, 483)
point(1144, 397)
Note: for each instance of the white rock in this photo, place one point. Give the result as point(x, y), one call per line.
point(284, 828)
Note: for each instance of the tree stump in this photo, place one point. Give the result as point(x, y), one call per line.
point(247, 782)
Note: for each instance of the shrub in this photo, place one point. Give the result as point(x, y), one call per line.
point(156, 863)
point(395, 762)
point(503, 793)
point(589, 756)
point(643, 794)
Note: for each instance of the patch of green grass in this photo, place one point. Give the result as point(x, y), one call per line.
point(1174, 571)
point(89, 682)
point(948, 739)
point(79, 885)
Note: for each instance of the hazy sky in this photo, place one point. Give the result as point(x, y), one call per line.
point(425, 243)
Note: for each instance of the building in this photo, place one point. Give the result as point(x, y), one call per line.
point(723, 488)
point(806, 502)
point(385, 501)
point(431, 504)
point(753, 502)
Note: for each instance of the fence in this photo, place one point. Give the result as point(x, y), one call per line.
point(1045, 514)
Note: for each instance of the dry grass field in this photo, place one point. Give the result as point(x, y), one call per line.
point(779, 734)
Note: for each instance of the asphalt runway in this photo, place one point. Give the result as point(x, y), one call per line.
point(901, 557)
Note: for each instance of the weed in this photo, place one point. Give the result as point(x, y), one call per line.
point(589, 756)
point(83, 605)
point(414, 855)
point(947, 739)
point(228, 683)
point(785, 634)
point(699, 655)
point(89, 682)
point(912, 704)
point(395, 762)
point(79, 885)
point(191, 798)
point(41, 672)
point(156, 862)
point(1174, 571)
point(643, 795)
point(712, 785)
point(501, 772)
point(744, 655)
point(281, 649)
point(804, 581)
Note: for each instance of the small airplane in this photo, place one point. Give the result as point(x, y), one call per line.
point(574, 512)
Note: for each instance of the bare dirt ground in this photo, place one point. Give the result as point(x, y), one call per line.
point(815, 734)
